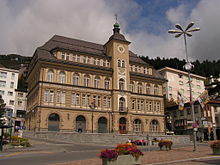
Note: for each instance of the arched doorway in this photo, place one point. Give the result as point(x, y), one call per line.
point(80, 124)
point(122, 125)
point(53, 122)
point(102, 125)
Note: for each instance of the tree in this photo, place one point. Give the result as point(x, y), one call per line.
point(2, 111)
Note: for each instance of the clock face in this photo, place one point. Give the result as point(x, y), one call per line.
point(121, 49)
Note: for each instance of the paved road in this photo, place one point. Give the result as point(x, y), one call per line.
point(49, 152)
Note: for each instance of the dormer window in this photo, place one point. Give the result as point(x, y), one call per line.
point(63, 56)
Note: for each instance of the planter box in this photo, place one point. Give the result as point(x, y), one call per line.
point(216, 151)
point(122, 160)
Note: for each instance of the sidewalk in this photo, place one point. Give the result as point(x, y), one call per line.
point(182, 155)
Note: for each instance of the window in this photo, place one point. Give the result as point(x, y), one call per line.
point(107, 83)
point(75, 79)
point(3, 74)
point(148, 89)
point(188, 111)
point(133, 104)
point(156, 90)
point(122, 104)
point(97, 61)
point(62, 77)
point(2, 83)
point(158, 106)
point(137, 125)
point(2, 92)
point(107, 63)
point(12, 85)
point(51, 96)
point(97, 100)
point(142, 105)
point(10, 93)
point(121, 84)
point(11, 102)
point(48, 96)
point(138, 105)
point(119, 63)
point(84, 59)
point(67, 57)
point(85, 100)
point(20, 103)
point(63, 56)
point(139, 88)
point(132, 87)
point(50, 76)
point(13, 76)
point(107, 102)
point(123, 64)
point(97, 82)
point(154, 126)
point(74, 58)
point(150, 108)
point(86, 80)
point(75, 99)
point(60, 99)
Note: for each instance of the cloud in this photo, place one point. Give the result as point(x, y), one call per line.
point(29, 24)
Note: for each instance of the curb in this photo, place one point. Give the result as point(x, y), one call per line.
point(183, 160)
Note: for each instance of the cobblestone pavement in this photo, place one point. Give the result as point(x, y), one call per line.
point(176, 156)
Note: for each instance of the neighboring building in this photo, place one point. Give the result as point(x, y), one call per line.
point(178, 81)
point(20, 109)
point(8, 84)
point(79, 86)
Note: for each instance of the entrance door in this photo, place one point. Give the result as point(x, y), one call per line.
point(122, 125)
point(80, 124)
point(53, 122)
point(102, 125)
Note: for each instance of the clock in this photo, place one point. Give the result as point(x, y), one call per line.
point(121, 49)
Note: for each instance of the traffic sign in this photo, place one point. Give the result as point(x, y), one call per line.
point(195, 125)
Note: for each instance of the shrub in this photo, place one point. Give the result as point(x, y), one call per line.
point(109, 154)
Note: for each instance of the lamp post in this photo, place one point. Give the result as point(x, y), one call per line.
point(92, 107)
point(188, 66)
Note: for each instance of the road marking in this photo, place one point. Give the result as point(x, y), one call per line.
point(183, 160)
point(19, 153)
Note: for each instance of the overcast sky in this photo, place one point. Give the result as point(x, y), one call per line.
point(28, 24)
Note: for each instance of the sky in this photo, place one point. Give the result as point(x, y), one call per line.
point(28, 24)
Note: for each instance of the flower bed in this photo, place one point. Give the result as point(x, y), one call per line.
point(165, 143)
point(109, 156)
point(215, 145)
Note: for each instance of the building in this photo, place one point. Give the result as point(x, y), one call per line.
point(178, 81)
point(8, 84)
point(79, 86)
point(20, 108)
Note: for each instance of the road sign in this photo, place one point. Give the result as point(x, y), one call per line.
point(205, 123)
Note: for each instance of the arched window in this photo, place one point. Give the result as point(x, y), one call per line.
point(75, 79)
point(154, 126)
point(123, 64)
point(137, 125)
point(50, 76)
point(80, 124)
point(107, 83)
point(132, 86)
point(148, 89)
point(53, 122)
point(102, 125)
point(119, 63)
point(139, 88)
point(62, 77)
point(86, 80)
point(122, 107)
point(121, 84)
point(97, 82)
point(156, 90)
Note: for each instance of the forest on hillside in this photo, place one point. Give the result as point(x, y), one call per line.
point(205, 68)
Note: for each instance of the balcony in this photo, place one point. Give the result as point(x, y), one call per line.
point(123, 109)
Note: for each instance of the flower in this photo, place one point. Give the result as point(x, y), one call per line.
point(109, 154)
point(215, 144)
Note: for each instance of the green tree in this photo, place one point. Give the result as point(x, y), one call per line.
point(2, 110)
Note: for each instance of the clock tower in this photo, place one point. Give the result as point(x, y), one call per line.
point(117, 49)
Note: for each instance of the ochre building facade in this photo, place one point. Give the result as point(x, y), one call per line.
point(79, 86)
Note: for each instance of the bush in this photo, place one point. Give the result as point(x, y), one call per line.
point(18, 141)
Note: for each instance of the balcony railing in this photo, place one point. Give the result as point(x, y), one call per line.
point(123, 109)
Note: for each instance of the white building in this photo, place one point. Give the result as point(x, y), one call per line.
point(20, 108)
point(8, 84)
point(178, 81)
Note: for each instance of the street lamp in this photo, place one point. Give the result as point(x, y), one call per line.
point(188, 66)
point(92, 107)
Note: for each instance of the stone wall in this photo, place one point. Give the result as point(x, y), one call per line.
point(96, 138)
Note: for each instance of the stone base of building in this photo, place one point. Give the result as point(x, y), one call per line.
point(102, 138)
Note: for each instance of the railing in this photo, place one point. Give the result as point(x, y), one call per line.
point(123, 109)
